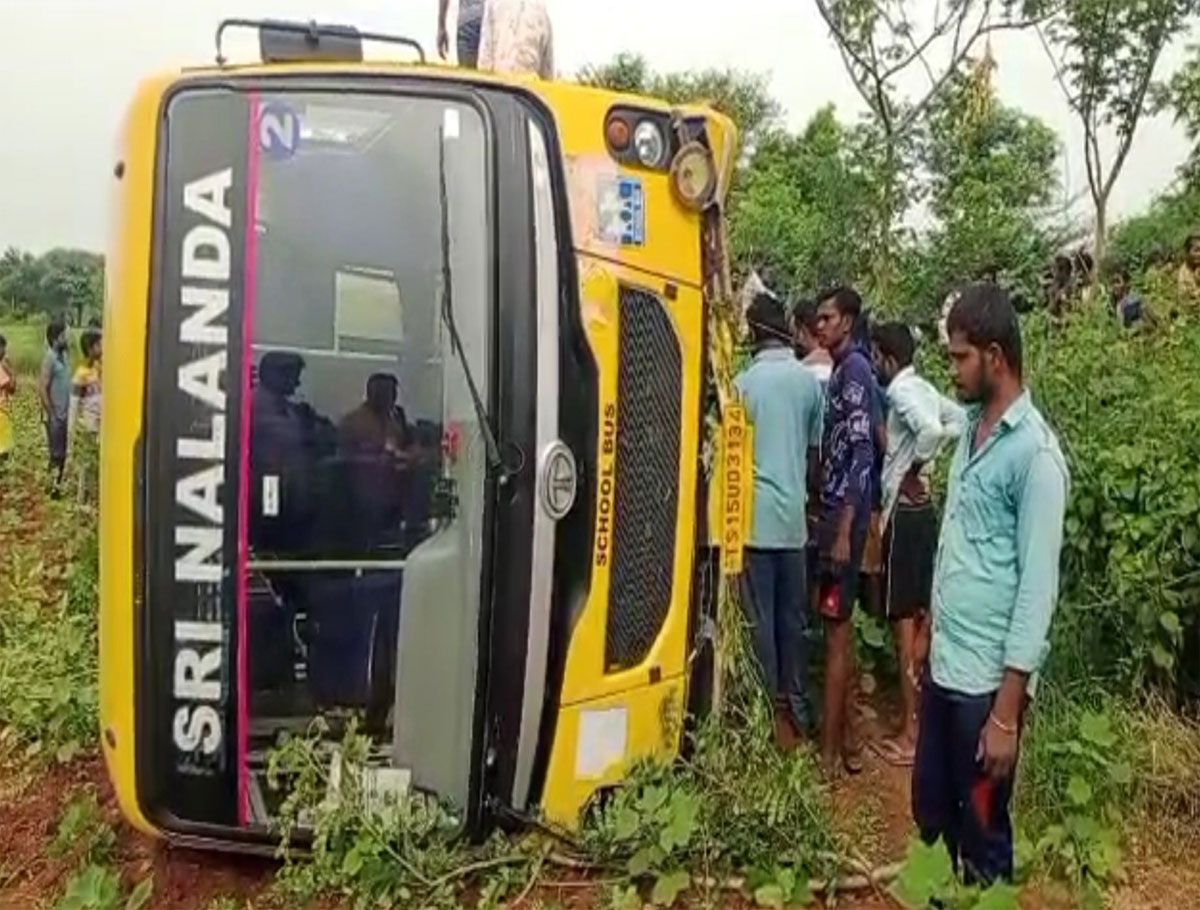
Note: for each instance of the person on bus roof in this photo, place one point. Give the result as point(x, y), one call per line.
point(470, 25)
point(517, 38)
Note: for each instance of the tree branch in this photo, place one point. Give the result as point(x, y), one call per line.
point(1126, 135)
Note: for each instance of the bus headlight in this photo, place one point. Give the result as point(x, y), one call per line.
point(649, 143)
point(693, 177)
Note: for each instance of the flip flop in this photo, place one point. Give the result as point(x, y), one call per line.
point(853, 762)
point(892, 753)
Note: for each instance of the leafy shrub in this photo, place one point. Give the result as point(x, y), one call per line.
point(927, 879)
point(1126, 406)
point(1077, 783)
point(737, 805)
point(399, 852)
point(48, 665)
point(49, 571)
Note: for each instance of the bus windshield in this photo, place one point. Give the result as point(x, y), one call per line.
point(358, 453)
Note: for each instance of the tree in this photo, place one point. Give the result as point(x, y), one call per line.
point(881, 42)
point(744, 97)
point(21, 280)
point(60, 282)
point(988, 172)
point(1105, 54)
point(1181, 94)
point(797, 204)
point(71, 280)
point(1155, 237)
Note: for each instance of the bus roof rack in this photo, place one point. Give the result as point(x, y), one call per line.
point(289, 42)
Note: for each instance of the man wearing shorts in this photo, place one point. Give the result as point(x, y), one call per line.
point(54, 392)
point(847, 460)
point(920, 421)
point(470, 27)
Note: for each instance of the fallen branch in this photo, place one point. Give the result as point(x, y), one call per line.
point(863, 879)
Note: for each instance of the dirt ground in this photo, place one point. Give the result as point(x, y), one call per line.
point(873, 808)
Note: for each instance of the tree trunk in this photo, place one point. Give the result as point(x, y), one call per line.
point(1101, 245)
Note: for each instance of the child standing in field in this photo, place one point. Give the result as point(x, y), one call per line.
point(85, 415)
point(8, 386)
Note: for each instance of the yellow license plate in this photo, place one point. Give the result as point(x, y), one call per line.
point(737, 468)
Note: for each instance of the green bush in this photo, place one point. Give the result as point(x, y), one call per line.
point(1126, 406)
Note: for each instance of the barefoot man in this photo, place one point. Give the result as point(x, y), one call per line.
point(920, 420)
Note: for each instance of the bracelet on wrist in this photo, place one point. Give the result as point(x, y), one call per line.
point(1011, 730)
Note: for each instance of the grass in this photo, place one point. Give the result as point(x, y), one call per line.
point(26, 343)
point(48, 603)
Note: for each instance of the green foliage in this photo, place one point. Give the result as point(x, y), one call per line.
point(88, 840)
point(1156, 237)
point(990, 173)
point(793, 203)
point(396, 852)
point(48, 596)
point(1181, 95)
point(1079, 782)
point(742, 96)
point(1126, 407)
point(1107, 54)
point(60, 282)
point(83, 831)
point(99, 887)
point(927, 879)
point(736, 805)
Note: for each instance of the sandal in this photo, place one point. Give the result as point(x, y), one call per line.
point(894, 754)
point(852, 761)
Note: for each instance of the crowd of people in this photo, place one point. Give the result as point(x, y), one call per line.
point(70, 408)
point(846, 433)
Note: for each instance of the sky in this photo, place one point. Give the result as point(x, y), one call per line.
point(69, 67)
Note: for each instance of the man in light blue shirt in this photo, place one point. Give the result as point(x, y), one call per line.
point(783, 404)
point(994, 592)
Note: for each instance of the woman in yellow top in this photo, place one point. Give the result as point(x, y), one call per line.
point(85, 414)
point(8, 386)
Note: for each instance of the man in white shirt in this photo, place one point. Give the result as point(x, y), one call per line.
point(920, 420)
point(517, 38)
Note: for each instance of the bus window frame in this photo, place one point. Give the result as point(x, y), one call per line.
point(147, 730)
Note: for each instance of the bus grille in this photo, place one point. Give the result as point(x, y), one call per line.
point(646, 497)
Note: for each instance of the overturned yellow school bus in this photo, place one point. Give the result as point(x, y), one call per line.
point(406, 381)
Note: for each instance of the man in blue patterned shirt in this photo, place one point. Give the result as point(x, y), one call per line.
point(847, 467)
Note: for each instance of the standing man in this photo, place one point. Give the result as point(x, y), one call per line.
point(920, 420)
point(804, 339)
point(783, 403)
point(517, 38)
point(470, 26)
point(994, 592)
point(847, 460)
point(54, 393)
point(816, 360)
